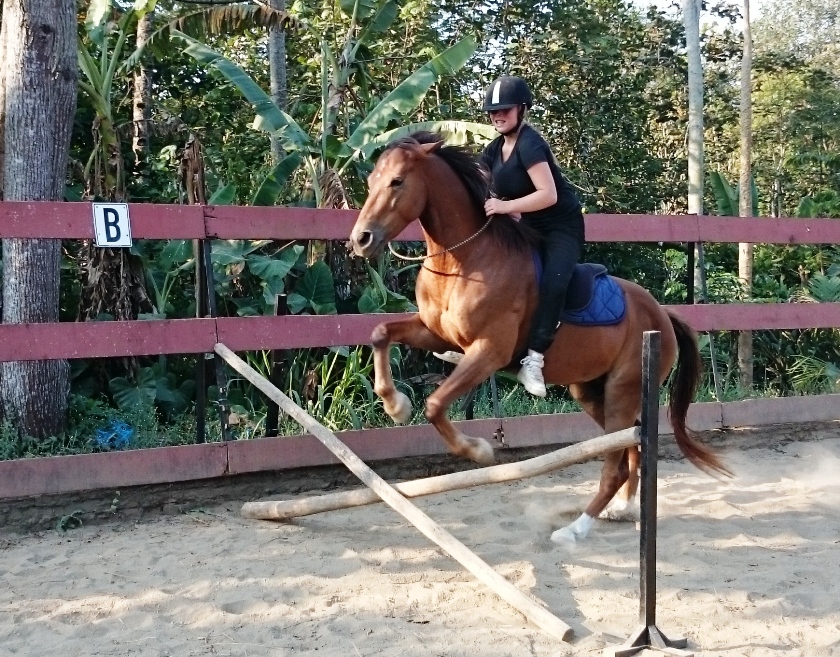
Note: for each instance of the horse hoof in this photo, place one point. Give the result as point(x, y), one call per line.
point(481, 452)
point(622, 511)
point(564, 536)
point(400, 410)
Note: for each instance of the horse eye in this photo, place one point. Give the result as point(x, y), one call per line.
point(396, 182)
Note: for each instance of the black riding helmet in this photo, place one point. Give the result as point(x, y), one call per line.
point(506, 92)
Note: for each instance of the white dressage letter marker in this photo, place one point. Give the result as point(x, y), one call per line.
point(111, 224)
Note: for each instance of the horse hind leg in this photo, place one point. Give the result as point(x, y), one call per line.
point(615, 406)
point(625, 506)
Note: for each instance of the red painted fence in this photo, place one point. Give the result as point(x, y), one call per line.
point(103, 339)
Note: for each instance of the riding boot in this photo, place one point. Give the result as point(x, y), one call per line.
point(531, 375)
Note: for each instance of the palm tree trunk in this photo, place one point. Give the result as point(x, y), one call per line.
point(745, 250)
point(277, 72)
point(37, 105)
point(142, 107)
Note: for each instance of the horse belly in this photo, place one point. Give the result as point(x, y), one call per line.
point(583, 353)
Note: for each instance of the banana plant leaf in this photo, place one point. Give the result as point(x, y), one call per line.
point(269, 117)
point(223, 196)
point(273, 183)
point(455, 132)
point(727, 197)
point(381, 21)
point(357, 8)
point(213, 20)
point(409, 93)
point(231, 252)
point(267, 268)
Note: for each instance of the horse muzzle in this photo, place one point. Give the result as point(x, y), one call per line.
point(366, 242)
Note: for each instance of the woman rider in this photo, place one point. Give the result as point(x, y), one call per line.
point(526, 180)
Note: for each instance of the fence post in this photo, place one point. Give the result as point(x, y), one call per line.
point(221, 379)
point(201, 359)
point(278, 358)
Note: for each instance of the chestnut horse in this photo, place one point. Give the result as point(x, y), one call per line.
point(476, 292)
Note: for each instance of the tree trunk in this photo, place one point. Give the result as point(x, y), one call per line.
point(142, 108)
point(691, 17)
point(745, 250)
point(277, 71)
point(38, 103)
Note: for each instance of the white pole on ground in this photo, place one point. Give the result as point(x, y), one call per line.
point(528, 606)
point(577, 453)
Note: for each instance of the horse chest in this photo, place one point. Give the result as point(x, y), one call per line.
point(452, 314)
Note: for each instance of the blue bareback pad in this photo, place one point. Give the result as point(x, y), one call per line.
point(593, 298)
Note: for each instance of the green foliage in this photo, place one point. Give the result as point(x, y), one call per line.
point(272, 185)
point(319, 154)
point(314, 292)
point(728, 197)
point(153, 387)
point(170, 276)
point(344, 396)
point(378, 298)
point(610, 99)
point(249, 274)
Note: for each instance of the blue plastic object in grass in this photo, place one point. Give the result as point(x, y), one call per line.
point(116, 435)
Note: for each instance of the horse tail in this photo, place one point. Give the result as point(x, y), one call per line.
point(681, 392)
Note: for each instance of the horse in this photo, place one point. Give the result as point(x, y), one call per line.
point(476, 291)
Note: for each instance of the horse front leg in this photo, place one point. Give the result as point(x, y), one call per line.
point(412, 332)
point(479, 362)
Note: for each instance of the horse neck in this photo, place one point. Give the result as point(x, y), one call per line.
point(450, 216)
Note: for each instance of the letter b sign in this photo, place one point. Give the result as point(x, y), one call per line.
point(111, 224)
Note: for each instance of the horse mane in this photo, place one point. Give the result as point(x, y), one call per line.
point(508, 233)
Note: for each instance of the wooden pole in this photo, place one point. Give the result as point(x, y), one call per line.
point(533, 610)
point(561, 458)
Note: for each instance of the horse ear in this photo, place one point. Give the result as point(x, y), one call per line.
point(431, 147)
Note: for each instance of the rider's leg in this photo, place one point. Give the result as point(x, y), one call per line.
point(560, 252)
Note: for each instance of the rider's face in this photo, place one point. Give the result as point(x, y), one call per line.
point(504, 120)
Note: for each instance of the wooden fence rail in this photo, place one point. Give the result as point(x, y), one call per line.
point(160, 221)
point(106, 339)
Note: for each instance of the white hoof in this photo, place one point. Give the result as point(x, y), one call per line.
point(621, 510)
point(453, 357)
point(565, 536)
point(481, 452)
point(400, 410)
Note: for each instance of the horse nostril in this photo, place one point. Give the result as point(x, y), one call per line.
point(365, 238)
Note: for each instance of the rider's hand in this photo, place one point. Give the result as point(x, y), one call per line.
point(495, 206)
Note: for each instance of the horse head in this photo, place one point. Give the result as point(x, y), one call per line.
point(398, 194)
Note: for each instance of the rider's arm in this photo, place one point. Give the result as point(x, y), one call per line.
point(544, 196)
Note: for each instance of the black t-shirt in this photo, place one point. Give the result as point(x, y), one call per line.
point(510, 180)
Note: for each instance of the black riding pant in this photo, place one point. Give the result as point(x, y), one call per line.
point(560, 253)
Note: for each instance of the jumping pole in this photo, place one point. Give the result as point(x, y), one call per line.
point(647, 636)
point(539, 465)
point(530, 607)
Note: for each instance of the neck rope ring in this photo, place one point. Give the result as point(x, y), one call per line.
point(446, 250)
